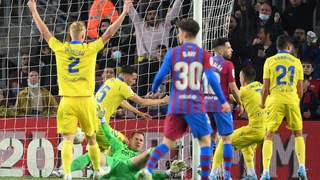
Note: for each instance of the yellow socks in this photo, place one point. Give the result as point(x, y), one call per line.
point(300, 149)
point(267, 150)
point(217, 159)
point(66, 155)
point(94, 154)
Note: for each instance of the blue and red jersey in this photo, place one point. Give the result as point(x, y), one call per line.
point(187, 64)
point(224, 71)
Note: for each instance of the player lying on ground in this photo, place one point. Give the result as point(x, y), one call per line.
point(248, 137)
point(126, 162)
point(112, 94)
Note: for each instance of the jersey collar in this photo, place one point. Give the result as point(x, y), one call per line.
point(283, 51)
point(75, 42)
point(120, 78)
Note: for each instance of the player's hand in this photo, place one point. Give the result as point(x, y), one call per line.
point(178, 166)
point(166, 99)
point(226, 107)
point(261, 53)
point(32, 6)
point(307, 114)
point(144, 116)
point(241, 110)
point(101, 112)
point(127, 5)
point(262, 105)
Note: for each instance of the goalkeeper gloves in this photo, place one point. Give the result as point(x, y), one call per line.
point(176, 167)
point(101, 112)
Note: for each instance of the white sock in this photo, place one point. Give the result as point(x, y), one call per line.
point(303, 166)
point(265, 171)
point(250, 171)
point(214, 171)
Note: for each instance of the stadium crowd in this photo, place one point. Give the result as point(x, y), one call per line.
point(253, 30)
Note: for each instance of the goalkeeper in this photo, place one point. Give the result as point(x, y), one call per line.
point(126, 162)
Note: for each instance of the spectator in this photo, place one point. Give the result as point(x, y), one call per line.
point(238, 34)
point(300, 34)
point(314, 84)
point(107, 73)
point(35, 100)
point(13, 92)
point(21, 75)
point(261, 48)
point(298, 15)
point(48, 70)
point(309, 102)
point(253, 11)
point(4, 105)
point(152, 31)
point(297, 48)
point(312, 52)
point(266, 19)
point(115, 40)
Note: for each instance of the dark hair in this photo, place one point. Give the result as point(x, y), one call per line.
point(138, 132)
point(161, 46)
point(102, 21)
point(270, 31)
point(151, 8)
point(190, 26)
point(34, 69)
point(306, 61)
point(219, 42)
point(283, 41)
point(127, 69)
point(249, 74)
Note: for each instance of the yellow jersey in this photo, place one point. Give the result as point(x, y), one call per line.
point(76, 62)
point(250, 96)
point(111, 94)
point(284, 72)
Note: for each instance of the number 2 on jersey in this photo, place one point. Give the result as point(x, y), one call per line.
point(189, 75)
point(75, 61)
point(283, 72)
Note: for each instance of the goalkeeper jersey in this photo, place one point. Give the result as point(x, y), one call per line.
point(122, 153)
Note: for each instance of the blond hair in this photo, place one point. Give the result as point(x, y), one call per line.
point(77, 29)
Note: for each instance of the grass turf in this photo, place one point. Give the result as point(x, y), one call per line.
point(48, 178)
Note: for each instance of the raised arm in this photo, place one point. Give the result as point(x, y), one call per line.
point(115, 26)
point(135, 17)
point(173, 12)
point(40, 24)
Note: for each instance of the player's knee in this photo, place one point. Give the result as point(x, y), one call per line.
point(297, 133)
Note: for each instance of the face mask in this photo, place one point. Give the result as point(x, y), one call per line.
point(263, 17)
point(33, 85)
point(117, 54)
point(15, 90)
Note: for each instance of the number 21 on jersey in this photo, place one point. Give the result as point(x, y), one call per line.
point(281, 78)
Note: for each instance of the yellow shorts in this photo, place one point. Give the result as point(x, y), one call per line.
point(74, 109)
point(248, 136)
point(279, 111)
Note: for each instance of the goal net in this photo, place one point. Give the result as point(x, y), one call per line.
point(29, 144)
